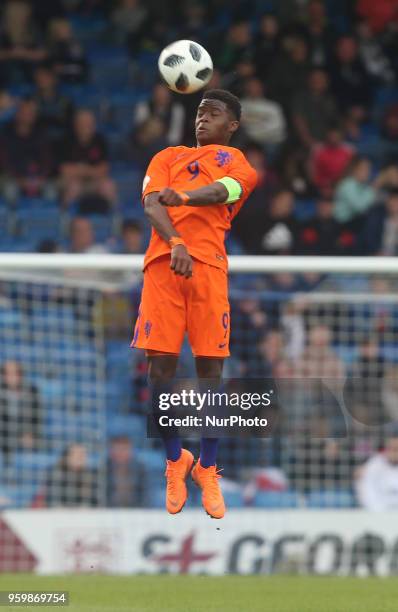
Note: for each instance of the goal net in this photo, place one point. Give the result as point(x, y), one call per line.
point(73, 394)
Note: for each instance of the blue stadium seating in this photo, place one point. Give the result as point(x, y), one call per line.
point(28, 462)
point(277, 499)
point(38, 224)
point(151, 459)
point(331, 498)
point(233, 499)
point(17, 496)
point(130, 425)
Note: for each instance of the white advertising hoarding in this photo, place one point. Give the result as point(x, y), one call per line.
point(246, 541)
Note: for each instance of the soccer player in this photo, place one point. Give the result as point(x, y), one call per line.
point(190, 196)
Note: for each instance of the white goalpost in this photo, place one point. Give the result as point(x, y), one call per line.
point(70, 386)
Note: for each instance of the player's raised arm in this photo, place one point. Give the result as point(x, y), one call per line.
point(216, 193)
point(181, 262)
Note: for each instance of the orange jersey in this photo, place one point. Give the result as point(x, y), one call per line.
point(202, 227)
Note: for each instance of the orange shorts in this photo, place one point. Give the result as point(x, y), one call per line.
point(172, 305)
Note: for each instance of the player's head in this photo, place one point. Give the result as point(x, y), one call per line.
point(217, 117)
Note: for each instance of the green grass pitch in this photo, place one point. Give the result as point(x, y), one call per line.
point(94, 593)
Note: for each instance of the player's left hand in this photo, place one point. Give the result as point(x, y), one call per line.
point(170, 197)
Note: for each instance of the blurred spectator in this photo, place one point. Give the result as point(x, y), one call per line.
point(377, 482)
point(72, 482)
point(270, 351)
point(127, 477)
point(236, 45)
point(329, 160)
point(146, 140)
point(318, 33)
point(128, 21)
point(20, 47)
point(82, 237)
point(360, 132)
point(325, 463)
point(351, 82)
point(251, 214)
point(235, 81)
point(46, 10)
point(274, 233)
point(293, 327)
point(194, 20)
point(266, 45)
point(380, 232)
point(318, 359)
point(390, 393)
point(389, 125)
point(372, 54)
point(289, 72)
point(365, 381)
point(8, 106)
point(84, 166)
point(262, 119)
point(251, 321)
point(132, 238)
point(314, 110)
point(354, 195)
point(322, 234)
point(378, 14)
point(294, 172)
point(66, 53)
point(162, 106)
point(264, 479)
point(25, 156)
point(54, 108)
point(20, 411)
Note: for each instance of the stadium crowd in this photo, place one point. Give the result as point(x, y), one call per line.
point(82, 113)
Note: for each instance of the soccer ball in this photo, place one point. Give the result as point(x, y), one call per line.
point(185, 66)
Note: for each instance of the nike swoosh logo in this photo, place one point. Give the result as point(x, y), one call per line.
point(222, 345)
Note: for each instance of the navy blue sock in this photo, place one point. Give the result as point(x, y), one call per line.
point(208, 451)
point(173, 448)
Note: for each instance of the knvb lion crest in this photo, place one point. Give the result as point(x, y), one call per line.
point(223, 157)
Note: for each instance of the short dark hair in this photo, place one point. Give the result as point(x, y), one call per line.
point(231, 101)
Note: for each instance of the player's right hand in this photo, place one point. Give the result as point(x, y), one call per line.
point(181, 261)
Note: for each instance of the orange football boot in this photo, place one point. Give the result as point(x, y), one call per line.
point(212, 498)
point(176, 474)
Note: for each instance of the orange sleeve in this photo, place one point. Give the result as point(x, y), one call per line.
point(245, 174)
point(157, 176)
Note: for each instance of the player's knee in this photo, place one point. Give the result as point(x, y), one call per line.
point(161, 368)
point(209, 368)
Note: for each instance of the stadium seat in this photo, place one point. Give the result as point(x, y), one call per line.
point(151, 459)
point(156, 497)
point(72, 427)
point(331, 498)
point(38, 224)
point(233, 499)
point(17, 496)
point(130, 425)
point(304, 209)
point(277, 499)
point(10, 318)
point(27, 462)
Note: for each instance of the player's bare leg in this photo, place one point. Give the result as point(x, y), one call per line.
point(205, 473)
point(161, 370)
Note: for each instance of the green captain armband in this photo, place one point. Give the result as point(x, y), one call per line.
point(233, 187)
